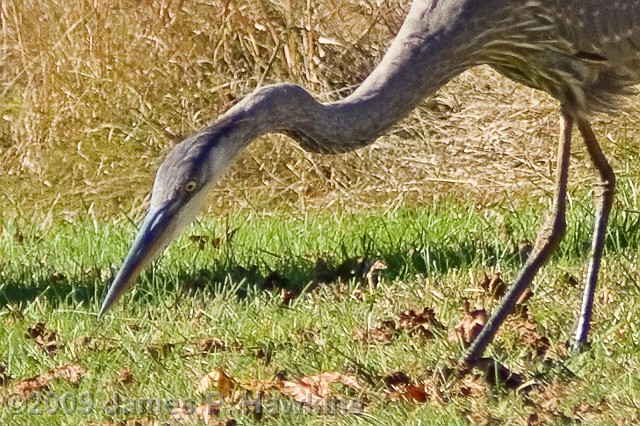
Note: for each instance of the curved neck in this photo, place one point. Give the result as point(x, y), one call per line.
point(437, 41)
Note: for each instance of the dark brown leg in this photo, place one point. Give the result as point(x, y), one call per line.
point(548, 238)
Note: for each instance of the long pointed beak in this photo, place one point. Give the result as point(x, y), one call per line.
point(155, 233)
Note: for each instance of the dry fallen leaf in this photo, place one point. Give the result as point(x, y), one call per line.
point(411, 392)
point(217, 380)
point(313, 389)
point(34, 384)
point(70, 373)
point(124, 376)
point(524, 297)
point(46, 340)
point(401, 387)
point(210, 344)
point(494, 286)
point(471, 325)
point(419, 322)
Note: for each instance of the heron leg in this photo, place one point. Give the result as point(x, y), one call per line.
point(548, 238)
point(604, 191)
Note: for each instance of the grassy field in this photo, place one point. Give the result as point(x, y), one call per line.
point(332, 287)
point(270, 300)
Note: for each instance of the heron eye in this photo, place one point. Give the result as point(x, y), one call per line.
point(190, 186)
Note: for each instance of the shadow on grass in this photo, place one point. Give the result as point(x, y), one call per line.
point(293, 274)
point(296, 273)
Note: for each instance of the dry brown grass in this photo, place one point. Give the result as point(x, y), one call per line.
point(93, 93)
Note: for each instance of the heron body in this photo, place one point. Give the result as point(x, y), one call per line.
point(585, 53)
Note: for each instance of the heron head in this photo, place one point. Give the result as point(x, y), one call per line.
point(179, 190)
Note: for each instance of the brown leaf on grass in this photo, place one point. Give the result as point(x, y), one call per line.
point(524, 298)
point(314, 389)
point(34, 384)
point(210, 344)
point(124, 376)
point(217, 380)
point(419, 322)
point(410, 393)
point(358, 295)
point(401, 387)
point(494, 286)
point(70, 373)
point(46, 340)
point(470, 326)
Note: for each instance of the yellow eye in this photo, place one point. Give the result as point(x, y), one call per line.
point(190, 186)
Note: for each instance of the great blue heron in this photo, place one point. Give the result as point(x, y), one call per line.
point(585, 53)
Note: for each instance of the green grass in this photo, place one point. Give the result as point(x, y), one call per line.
point(436, 258)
